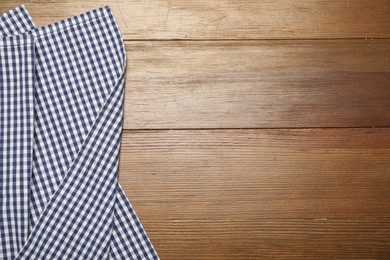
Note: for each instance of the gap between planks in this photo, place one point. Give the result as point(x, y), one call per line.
point(254, 128)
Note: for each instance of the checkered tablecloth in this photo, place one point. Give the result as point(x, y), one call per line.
point(61, 95)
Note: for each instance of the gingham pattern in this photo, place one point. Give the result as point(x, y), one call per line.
point(76, 208)
point(16, 136)
point(15, 21)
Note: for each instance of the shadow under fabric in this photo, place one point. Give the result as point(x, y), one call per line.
point(61, 95)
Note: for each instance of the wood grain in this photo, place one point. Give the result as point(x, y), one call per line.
point(273, 239)
point(285, 194)
point(228, 19)
point(257, 84)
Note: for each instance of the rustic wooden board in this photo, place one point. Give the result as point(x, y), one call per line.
point(285, 194)
point(228, 19)
point(229, 182)
point(251, 84)
point(273, 239)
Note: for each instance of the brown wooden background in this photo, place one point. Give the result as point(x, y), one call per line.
point(254, 129)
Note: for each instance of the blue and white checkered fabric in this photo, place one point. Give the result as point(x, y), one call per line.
point(61, 95)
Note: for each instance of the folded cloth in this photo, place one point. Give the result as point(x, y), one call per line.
point(61, 95)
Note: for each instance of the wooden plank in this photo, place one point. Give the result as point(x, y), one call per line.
point(242, 194)
point(272, 239)
point(257, 84)
point(228, 19)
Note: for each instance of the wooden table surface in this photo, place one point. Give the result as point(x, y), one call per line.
point(254, 129)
